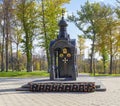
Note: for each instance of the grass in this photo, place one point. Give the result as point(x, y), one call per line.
point(23, 74)
point(112, 75)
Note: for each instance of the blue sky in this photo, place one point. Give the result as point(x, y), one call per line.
point(72, 29)
point(74, 6)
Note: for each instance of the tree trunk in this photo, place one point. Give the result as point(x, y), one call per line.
point(111, 54)
point(7, 33)
point(29, 68)
point(48, 59)
point(29, 54)
point(45, 35)
point(104, 64)
point(40, 62)
point(80, 60)
point(2, 53)
point(29, 62)
point(104, 67)
point(17, 56)
point(7, 62)
point(11, 55)
point(111, 64)
point(115, 65)
point(94, 66)
point(92, 55)
point(28, 51)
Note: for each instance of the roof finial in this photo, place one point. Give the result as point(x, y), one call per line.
point(63, 12)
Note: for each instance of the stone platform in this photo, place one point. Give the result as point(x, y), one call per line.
point(62, 86)
point(82, 84)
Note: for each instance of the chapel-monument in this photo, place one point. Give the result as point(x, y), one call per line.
point(63, 55)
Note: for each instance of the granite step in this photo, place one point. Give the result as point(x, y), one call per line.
point(97, 86)
point(100, 89)
point(22, 89)
point(27, 88)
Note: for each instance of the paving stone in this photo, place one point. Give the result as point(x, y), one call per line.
point(10, 97)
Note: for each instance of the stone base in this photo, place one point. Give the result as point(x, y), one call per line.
point(63, 87)
point(82, 84)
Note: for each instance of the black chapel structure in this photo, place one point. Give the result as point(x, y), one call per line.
point(63, 55)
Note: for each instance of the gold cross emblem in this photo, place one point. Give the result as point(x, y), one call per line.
point(65, 60)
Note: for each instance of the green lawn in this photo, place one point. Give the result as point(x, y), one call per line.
point(112, 75)
point(23, 74)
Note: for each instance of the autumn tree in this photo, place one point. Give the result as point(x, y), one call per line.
point(102, 30)
point(50, 13)
point(86, 20)
point(27, 14)
point(7, 16)
point(117, 10)
point(113, 41)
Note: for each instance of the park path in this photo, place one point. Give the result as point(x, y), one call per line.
point(10, 97)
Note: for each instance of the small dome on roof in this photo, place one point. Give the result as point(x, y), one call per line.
point(62, 22)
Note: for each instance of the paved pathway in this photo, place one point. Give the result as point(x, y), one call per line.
point(10, 97)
